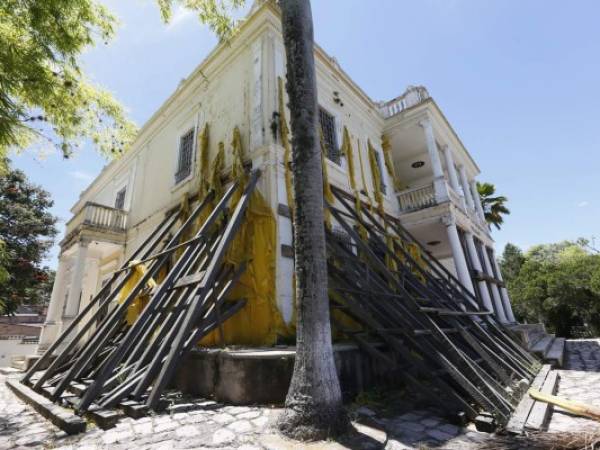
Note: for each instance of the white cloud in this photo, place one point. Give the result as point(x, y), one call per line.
point(81, 175)
point(583, 204)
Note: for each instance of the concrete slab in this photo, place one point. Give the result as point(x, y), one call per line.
point(63, 418)
point(237, 375)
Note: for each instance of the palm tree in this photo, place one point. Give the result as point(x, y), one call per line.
point(313, 407)
point(494, 207)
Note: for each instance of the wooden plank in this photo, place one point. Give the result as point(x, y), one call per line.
point(189, 280)
point(450, 312)
point(540, 412)
point(521, 414)
point(134, 409)
point(103, 298)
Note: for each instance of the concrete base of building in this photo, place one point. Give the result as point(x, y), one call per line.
point(253, 376)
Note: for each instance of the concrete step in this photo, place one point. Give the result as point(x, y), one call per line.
point(23, 362)
point(534, 338)
point(10, 371)
point(18, 362)
point(556, 353)
point(59, 416)
point(42, 349)
point(541, 347)
point(529, 334)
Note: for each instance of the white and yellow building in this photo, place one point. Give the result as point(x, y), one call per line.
point(427, 176)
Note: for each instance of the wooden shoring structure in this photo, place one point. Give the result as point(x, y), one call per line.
point(444, 346)
point(121, 361)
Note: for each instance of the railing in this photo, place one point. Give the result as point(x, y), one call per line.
point(416, 198)
point(98, 216)
point(413, 96)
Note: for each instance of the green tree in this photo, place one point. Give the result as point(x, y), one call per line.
point(45, 97)
point(559, 285)
point(511, 262)
point(551, 252)
point(494, 206)
point(27, 230)
point(314, 408)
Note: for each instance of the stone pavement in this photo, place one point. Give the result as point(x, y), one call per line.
point(205, 424)
point(202, 424)
point(578, 381)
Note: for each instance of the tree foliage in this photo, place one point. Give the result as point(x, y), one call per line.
point(556, 284)
point(45, 97)
point(216, 14)
point(27, 230)
point(511, 262)
point(494, 206)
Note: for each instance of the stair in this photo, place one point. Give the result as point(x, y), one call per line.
point(42, 349)
point(541, 347)
point(546, 346)
point(23, 362)
point(18, 362)
point(556, 353)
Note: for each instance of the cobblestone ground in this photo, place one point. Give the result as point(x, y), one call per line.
point(578, 381)
point(206, 424)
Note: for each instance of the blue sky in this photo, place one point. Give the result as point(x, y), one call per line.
point(518, 80)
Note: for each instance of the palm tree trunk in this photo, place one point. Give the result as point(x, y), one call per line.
point(314, 408)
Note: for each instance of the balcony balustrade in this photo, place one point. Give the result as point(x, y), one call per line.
point(98, 217)
point(417, 198)
point(413, 96)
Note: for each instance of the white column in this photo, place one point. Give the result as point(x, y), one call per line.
point(495, 291)
point(51, 325)
point(462, 270)
point(452, 175)
point(504, 292)
point(483, 289)
point(88, 288)
point(465, 185)
point(439, 183)
point(477, 200)
point(77, 277)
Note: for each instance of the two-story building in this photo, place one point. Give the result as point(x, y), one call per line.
point(427, 178)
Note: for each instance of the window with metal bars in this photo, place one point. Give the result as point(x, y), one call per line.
point(186, 152)
point(120, 199)
point(327, 122)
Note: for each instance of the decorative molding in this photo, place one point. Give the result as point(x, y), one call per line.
point(448, 220)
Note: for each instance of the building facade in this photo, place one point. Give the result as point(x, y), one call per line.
point(404, 150)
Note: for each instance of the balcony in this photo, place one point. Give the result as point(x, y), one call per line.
point(97, 221)
point(417, 198)
point(413, 96)
point(432, 194)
